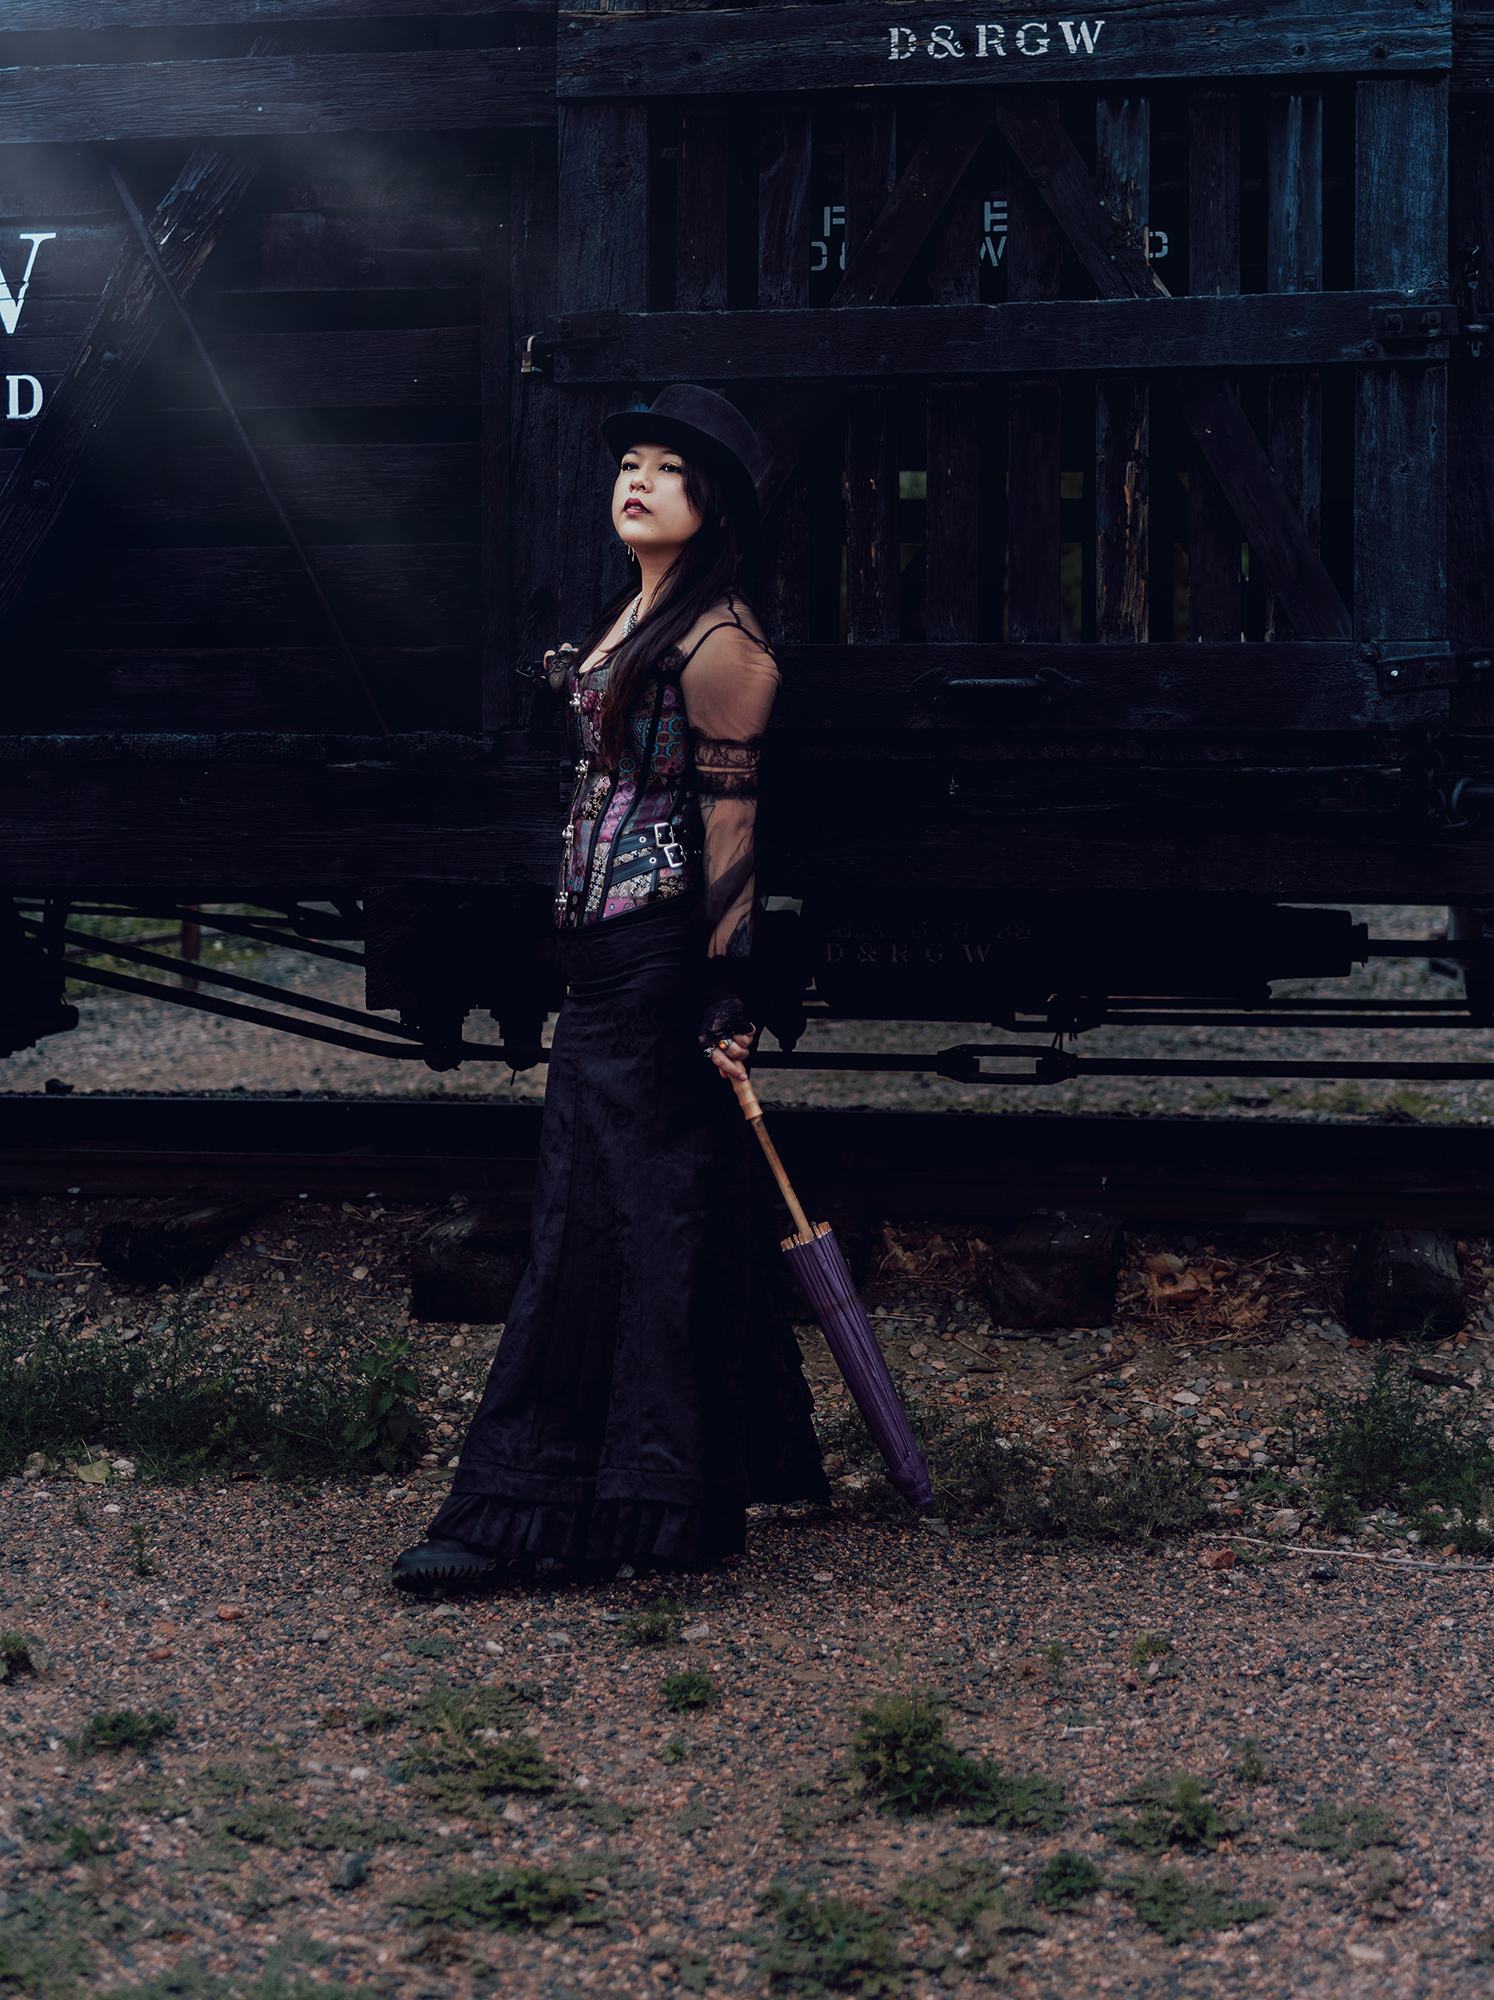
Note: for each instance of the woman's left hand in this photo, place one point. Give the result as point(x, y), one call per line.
point(730, 1055)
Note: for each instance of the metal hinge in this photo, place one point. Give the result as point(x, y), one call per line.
point(582, 329)
point(1411, 333)
point(1407, 673)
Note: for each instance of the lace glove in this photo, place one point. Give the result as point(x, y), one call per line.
point(728, 1001)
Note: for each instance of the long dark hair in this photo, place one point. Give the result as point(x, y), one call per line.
point(705, 570)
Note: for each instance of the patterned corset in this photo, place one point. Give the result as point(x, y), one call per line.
point(633, 836)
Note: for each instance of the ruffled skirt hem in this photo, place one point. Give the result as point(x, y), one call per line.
point(641, 1532)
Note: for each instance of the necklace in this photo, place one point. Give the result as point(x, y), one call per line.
point(633, 616)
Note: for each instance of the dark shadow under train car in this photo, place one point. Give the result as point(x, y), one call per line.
point(1127, 400)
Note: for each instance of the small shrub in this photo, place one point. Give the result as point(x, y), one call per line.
point(1176, 1908)
point(683, 1692)
point(125, 1729)
point(1067, 1880)
point(1174, 1813)
point(386, 1428)
point(900, 1753)
point(475, 1755)
point(270, 1824)
point(674, 1751)
point(656, 1624)
point(372, 1720)
point(1150, 1646)
point(1250, 1766)
point(1395, 1445)
point(21, 1654)
point(1344, 1830)
point(831, 1946)
point(140, 1561)
point(506, 1899)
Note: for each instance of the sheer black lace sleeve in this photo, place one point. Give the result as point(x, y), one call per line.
point(728, 684)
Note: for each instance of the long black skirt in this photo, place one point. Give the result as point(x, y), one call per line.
point(648, 1384)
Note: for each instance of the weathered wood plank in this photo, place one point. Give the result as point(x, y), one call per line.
point(89, 15)
point(1113, 255)
point(276, 688)
point(187, 224)
point(1122, 474)
point(954, 486)
point(326, 482)
point(701, 209)
point(257, 97)
point(1127, 686)
point(827, 343)
point(854, 46)
point(1294, 264)
point(1213, 271)
point(871, 456)
point(603, 261)
point(1473, 49)
point(1400, 443)
point(785, 136)
point(391, 591)
point(255, 825)
point(1034, 263)
point(496, 446)
point(424, 250)
point(1470, 483)
point(534, 562)
point(417, 368)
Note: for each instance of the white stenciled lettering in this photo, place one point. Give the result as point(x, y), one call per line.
point(904, 42)
point(1039, 47)
point(942, 43)
point(13, 409)
point(10, 308)
point(1089, 36)
point(975, 953)
point(990, 39)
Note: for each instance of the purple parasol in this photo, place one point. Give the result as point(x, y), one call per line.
point(819, 1270)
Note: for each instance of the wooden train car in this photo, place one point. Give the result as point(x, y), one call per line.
point(1128, 399)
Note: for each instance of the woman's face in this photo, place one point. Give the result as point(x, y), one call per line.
point(650, 509)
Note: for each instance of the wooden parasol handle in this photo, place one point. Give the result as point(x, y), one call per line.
point(752, 1111)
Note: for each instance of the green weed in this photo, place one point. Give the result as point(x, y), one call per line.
point(831, 1946)
point(507, 1899)
point(1174, 1813)
point(270, 1824)
point(901, 1755)
point(386, 1428)
point(1344, 1830)
point(1150, 1646)
point(21, 1654)
point(184, 1404)
point(475, 1753)
point(683, 1692)
point(656, 1624)
point(968, 1897)
point(41, 1954)
point(84, 1843)
point(80, 1513)
point(125, 1729)
point(1068, 1879)
point(1176, 1908)
point(140, 1562)
point(373, 1720)
point(1395, 1446)
point(1251, 1767)
point(674, 1751)
point(1054, 1658)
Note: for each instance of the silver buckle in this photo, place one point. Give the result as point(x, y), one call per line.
point(673, 853)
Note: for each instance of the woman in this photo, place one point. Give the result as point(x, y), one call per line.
point(648, 1386)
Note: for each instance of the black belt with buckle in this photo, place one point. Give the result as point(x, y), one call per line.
point(647, 849)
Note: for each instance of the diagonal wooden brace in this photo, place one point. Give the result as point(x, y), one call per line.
point(131, 311)
point(879, 265)
point(1115, 260)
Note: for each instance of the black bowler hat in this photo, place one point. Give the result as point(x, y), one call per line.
point(707, 430)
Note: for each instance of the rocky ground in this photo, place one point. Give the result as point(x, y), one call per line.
point(434, 1795)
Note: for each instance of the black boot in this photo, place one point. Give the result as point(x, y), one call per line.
point(442, 1562)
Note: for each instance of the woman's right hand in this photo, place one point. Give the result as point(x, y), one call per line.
point(558, 665)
